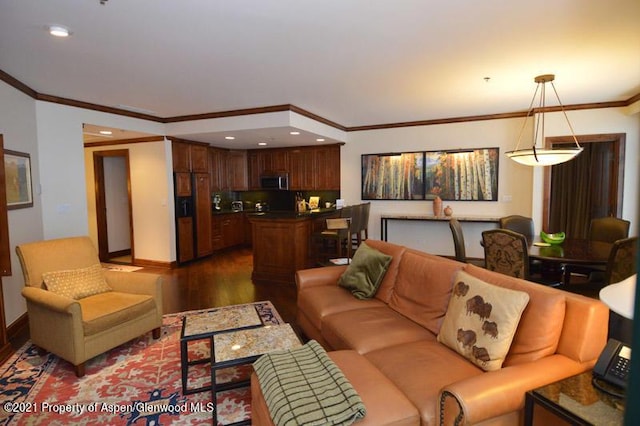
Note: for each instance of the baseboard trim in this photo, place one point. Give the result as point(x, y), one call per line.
point(153, 264)
point(18, 326)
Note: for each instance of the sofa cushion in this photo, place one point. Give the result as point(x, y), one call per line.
point(107, 310)
point(368, 329)
point(541, 323)
point(385, 403)
point(77, 283)
point(423, 287)
point(318, 302)
point(366, 271)
point(481, 320)
point(389, 281)
point(421, 369)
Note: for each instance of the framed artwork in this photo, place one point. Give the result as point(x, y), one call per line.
point(17, 171)
point(462, 175)
point(393, 176)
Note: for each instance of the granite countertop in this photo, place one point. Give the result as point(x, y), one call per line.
point(285, 214)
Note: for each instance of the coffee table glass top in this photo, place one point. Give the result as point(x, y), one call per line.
point(577, 395)
point(250, 342)
point(220, 319)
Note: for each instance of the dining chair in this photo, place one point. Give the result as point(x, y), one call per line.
point(336, 237)
point(606, 229)
point(622, 260)
point(520, 224)
point(458, 244)
point(506, 252)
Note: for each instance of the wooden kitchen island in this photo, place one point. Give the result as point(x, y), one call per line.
point(281, 243)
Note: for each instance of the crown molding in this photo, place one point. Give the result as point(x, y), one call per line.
point(12, 81)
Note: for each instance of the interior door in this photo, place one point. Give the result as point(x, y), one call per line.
point(587, 187)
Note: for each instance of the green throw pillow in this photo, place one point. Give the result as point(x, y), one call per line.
point(366, 271)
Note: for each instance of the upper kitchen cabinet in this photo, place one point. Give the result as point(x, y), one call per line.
point(199, 159)
point(237, 170)
point(302, 174)
point(218, 171)
point(327, 166)
point(181, 157)
point(264, 162)
point(189, 157)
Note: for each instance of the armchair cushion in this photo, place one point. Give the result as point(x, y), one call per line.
point(481, 320)
point(109, 309)
point(77, 283)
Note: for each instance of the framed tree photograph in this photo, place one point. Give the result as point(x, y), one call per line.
point(17, 170)
point(462, 175)
point(393, 176)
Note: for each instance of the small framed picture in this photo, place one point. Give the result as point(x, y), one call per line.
point(17, 171)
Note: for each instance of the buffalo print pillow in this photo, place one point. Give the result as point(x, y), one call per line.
point(481, 320)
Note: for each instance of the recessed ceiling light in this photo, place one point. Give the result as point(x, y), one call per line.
point(58, 31)
point(294, 133)
point(106, 132)
point(320, 140)
point(229, 138)
point(262, 144)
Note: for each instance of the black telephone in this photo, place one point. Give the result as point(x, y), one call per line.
point(613, 364)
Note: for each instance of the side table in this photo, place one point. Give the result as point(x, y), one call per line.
point(573, 401)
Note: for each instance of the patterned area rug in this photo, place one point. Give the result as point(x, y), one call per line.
point(136, 383)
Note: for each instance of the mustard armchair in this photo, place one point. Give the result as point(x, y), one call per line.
point(76, 309)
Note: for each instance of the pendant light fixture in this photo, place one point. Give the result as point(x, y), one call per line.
point(543, 156)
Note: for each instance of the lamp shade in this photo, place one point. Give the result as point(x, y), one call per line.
point(543, 157)
point(620, 297)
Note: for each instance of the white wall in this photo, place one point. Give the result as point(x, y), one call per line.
point(151, 195)
point(514, 181)
point(18, 127)
point(520, 184)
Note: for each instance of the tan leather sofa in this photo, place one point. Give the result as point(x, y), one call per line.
point(559, 335)
point(78, 330)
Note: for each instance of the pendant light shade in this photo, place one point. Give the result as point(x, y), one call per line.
point(543, 156)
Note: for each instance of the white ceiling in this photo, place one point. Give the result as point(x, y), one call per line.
point(354, 62)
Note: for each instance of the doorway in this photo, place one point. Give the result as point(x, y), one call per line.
point(113, 206)
point(587, 187)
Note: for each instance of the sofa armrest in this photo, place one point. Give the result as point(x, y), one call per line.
point(316, 277)
point(499, 392)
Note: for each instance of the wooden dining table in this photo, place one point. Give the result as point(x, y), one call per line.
point(571, 252)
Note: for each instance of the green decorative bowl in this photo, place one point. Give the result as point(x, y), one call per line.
point(557, 238)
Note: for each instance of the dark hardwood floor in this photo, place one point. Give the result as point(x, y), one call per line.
point(220, 280)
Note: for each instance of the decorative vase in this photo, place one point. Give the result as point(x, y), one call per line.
point(448, 211)
point(437, 206)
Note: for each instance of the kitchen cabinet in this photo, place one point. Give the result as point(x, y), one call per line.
point(181, 153)
point(202, 202)
point(327, 167)
point(237, 170)
point(218, 169)
point(255, 168)
point(302, 174)
point(182, 183)
point(185, 239)
point(199, 159)
point(266, 161)
point(228, 230)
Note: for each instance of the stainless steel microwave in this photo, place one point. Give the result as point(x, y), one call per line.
point(279, 181)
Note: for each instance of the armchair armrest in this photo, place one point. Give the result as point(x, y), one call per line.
point(51, 301)
point(134, 282)
point(502, 391)
point(327, 275)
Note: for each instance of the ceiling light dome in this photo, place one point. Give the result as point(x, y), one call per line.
point(543, 156)
point(58, 31)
